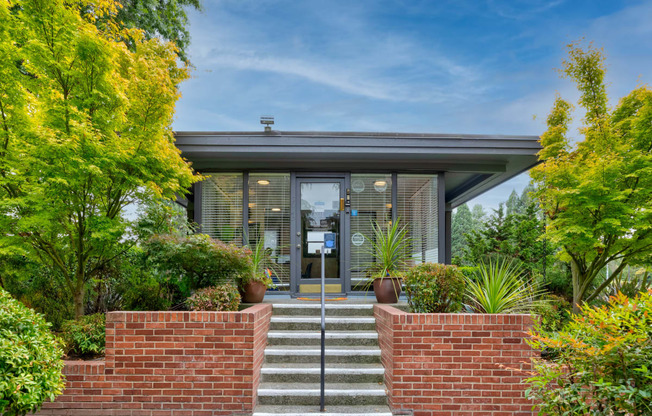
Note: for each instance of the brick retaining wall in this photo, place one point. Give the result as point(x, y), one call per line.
point(455, 364)
point(170, 363)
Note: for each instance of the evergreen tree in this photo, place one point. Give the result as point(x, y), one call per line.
point(478, 215)
point(517, 235)
point(514, 204)
point(461, 224)
point(493, 238)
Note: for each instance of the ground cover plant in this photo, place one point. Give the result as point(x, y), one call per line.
point(602, 361)
point(434, 288)
point(30, 359)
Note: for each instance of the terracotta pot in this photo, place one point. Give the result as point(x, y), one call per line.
point(253, 292)
point(387, 289)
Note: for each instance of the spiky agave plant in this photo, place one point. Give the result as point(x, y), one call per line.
point(500, 287)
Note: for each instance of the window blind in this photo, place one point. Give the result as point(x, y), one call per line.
point(371, 200)
point(221, 207)
point(417, 209)
point(269, 219)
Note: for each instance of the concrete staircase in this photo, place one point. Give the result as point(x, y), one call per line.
point(291, 372)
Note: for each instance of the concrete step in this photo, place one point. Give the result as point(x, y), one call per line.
point(333, 338)
point(297, 354)
point(377, 410)
point(336, 394)
point(313, 323)
point(334, 373)
point(314, 309)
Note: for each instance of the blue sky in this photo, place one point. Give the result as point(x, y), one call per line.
point(469, 66)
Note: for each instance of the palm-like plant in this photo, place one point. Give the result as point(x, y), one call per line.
point(500, 287)
point(390, 250)
point(260, 262)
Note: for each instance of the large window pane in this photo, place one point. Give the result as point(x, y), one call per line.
point(371, 201)
point(269, 219)
point(417, 208)
point(221, 207)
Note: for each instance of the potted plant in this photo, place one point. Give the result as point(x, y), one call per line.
point(390, 250)
point(255, 283)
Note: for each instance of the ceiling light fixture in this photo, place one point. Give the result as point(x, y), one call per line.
point(263, 182)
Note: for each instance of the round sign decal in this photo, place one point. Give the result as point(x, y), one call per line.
point(357, 239)
point(357, 186)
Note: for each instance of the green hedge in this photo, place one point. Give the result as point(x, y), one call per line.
point(30, 359)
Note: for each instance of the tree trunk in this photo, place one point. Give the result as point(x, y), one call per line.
point(78, 298)
point(578, 280)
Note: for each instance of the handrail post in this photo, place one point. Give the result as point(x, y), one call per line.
point(323, 330)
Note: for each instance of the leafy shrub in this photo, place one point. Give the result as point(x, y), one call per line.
point(602, 365)
point(85, 336)
point(30, 359)
point(500, 287)
point(434, 288)
point(144, 292)
point(196, 261)
point(37, 287)
point(554, 313)
point(215, 298)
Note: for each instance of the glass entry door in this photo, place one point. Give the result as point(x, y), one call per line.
point(320, 211)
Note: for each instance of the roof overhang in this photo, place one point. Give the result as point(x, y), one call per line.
point(473, 163)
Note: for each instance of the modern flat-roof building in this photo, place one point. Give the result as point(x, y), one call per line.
point(289, 188)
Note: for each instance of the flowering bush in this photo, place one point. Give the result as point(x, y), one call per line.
point(215, 298)
point(603, 361)
point(30, 359)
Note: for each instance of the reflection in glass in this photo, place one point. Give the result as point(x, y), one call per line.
point(371, 201)
point(320, 214)
point(269, 219)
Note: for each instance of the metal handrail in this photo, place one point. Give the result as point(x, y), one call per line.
point(323, 330)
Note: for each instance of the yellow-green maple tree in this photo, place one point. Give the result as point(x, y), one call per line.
point(597, 194)
point(84, 131)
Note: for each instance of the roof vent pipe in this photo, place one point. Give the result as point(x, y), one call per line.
point(267, 121)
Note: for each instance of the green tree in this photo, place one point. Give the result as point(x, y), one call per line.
point(85, 131)
point(514, 204)
point(492, 238)
point(166, 19)
point(461, 224)
point(479, 215)
point(517, 235)
point(597, 194)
